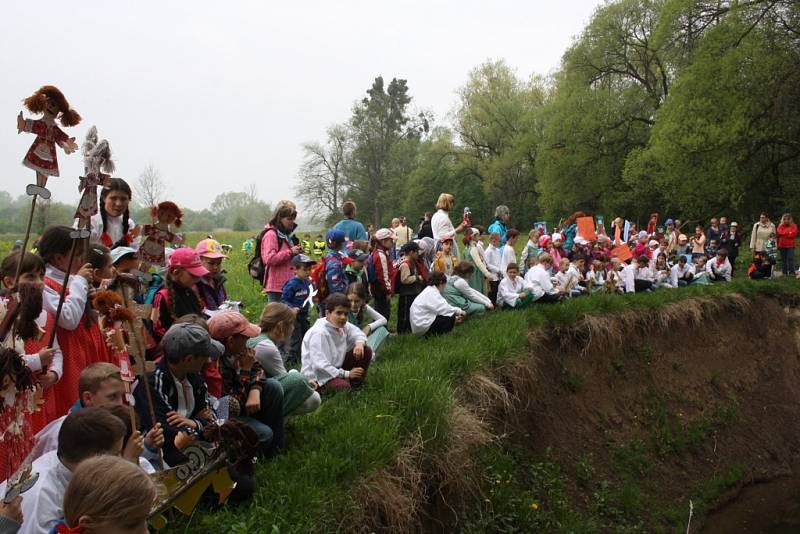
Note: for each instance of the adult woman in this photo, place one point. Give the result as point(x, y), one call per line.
point(698, 242)
point(441, 226)
point(570, 227)
point(278, 247)
point(458, 293)
point(787, 232)
point(112, 225)
point(501, 216)
point(761, 232)
point(474, 255)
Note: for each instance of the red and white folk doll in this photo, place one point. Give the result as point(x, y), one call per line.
point(160, 232)
point(50, 102)
point(17, 404)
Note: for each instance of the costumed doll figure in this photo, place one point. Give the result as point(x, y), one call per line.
point(113, 314)
point(98, 167)
point(48, 101)
point(652, 224)
point(160, 232)
point(17, 404)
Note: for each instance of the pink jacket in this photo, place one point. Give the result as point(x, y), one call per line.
point(277, 260)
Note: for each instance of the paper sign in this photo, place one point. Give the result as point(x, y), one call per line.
point(541, 225)
point(623, 252)
point(625, 231)
point(586, 228)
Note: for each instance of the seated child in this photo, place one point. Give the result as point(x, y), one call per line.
point(458, 293)
point(540, 283)
point(445, 261)
point(761, 267)
point(295, 294)
point(430, 313)
point(125, 259)
point(178, 390)
point(277, 323)
point(662, 275)
point(595, 277)
point(411, 278)
point(260, 398)
point(513, 291)
point(568, 278)
point(719, 268)
point(108, 494)
point(179, 295)
point(682, 273)
point(360, 311)
point(85, 434)
point(211, 287)
point(335, 353)
point(637, 276)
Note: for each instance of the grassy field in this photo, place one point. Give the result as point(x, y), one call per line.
point(408, 397)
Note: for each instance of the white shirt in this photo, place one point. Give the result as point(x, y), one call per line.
point(43, 504)
point(113, 228)
point(324, 347)
point(427, 306)
point(377, 320)
point(678, 273)
point(441, 225)
point(185, 397)
point(538, 279)
point(469, 293)
point(268, 355)
point(628, 275)
point(508, 291)
point(494, 261)
point(74, 303)
point(508, 256)
point(723, 271)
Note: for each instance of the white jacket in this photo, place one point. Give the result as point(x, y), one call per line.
point(324, 347)
point(716, 272)
point(538, 279)
point(427, 306)
point(494, 260)
point(441, 227)
point(74, 303)
point(508, 291)
point(469, 293)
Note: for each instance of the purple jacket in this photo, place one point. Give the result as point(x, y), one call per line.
point(276, 253)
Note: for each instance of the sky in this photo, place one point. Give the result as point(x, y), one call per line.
point(219, 95)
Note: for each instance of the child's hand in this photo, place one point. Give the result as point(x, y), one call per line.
point(13, 509)
point(48, 379)
point(297, 249)
point(358, 351)
point(154, 439)
point(356, 373)
point(247, 359)
point(86, 272)
point(176, 419)
point(314, 384)
point(134, 448)
point(460, 318)
point(183, 440)
point(253, 403)
point(367, 329)
point(46, 357)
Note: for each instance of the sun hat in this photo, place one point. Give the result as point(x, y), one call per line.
point(184, 339)
point(188, 260)
point(302, 259)
point(384, 233)
point(225, 324)
point(120, 252)
point(209, 248)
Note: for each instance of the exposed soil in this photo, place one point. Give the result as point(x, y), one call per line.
point(715, 390)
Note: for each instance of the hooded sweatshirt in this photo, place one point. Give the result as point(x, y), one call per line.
point(324, 348)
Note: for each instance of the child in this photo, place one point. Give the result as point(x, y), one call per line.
point(85, 434)
point(509, 255)
point(308, 246)
point(295, 295)
point(112, 225)
point(513, 291)
point(595, 277)
point(637, 277)
point(99, 257)
point(77, 332)
point(125, 259)
point(474, 255)
point(530, 251)
point(458, 293)
point(277, 324)
point(719, 268)
point(354, 271)
point(375, 330)
point(178, 390)
point(731, 240)
point(260, 398)
point(211, 287)
point(335, 281)
point(107, 494)
point(662, 276)
point(319, 247)
point(178, 297)
point(761, 267)
point(335, 354)
point(445, 260)
point(682, 273)
point(711, 249)
point(494, 258)
point(698, 243)
point(568, 278)
point(771, 248)
point(411, 279)
point(430, 313)
point(382, 280)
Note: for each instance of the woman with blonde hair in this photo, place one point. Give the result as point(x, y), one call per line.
point(108, 494)
point(441, 225)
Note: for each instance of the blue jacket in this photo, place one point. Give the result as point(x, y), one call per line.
point(295, 292)
point(335, 279)
point(353, 230)
point(499, 227)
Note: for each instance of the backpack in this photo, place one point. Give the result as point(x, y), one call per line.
point(256, 266)
point(318, 279)
point(369, 267)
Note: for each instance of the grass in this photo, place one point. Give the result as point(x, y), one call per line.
point(408, 397)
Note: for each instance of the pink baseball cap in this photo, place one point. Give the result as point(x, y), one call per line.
point(209, 248)
point(225, 324)
point(188, 260)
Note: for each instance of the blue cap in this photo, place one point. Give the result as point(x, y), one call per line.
point(334, 236)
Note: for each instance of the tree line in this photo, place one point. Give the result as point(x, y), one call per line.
point(686, 107)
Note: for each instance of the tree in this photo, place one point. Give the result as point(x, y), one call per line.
point(322, 176)
point(150, 187)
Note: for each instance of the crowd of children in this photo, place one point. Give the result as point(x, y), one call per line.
point(67, 346)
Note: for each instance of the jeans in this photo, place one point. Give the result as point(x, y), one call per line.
point(787, 261)
point(300, 328)
point(268, 420)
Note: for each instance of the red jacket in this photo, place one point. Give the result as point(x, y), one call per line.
point(384, 271)
point(786, 235)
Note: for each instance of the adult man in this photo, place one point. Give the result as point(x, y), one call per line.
point(353, 230)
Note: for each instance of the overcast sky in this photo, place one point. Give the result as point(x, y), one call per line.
point(218, 95)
